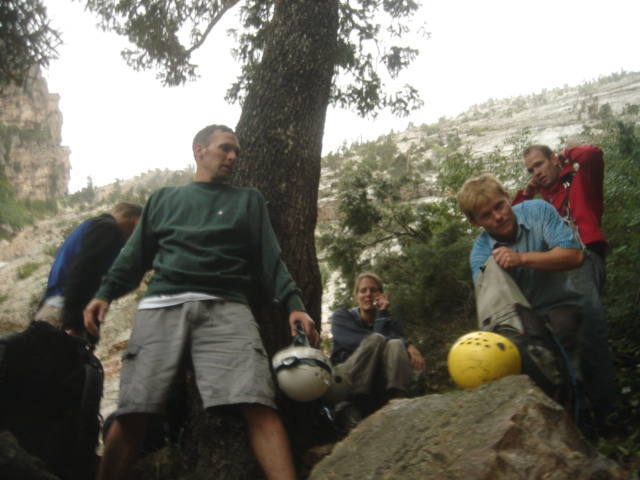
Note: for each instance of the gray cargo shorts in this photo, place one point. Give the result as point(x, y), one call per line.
point(230, 363)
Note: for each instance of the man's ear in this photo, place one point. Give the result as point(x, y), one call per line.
point(197, 150)
point(556, 160)
point(473, 222)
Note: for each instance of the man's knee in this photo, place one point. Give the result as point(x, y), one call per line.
point(373, 340)
point(372, 345)
point(395, 344)
point(395, 350)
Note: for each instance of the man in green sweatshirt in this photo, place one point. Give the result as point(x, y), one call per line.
point(208, 244)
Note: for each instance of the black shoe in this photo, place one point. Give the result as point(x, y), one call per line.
point(347, 417)
point(393, 393)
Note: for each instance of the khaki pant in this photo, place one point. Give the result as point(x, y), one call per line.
point(496, 295)
point(221, 338)
point(376, 366)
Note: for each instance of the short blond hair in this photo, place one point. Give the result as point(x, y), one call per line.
point(478, 191)
point(376, 278)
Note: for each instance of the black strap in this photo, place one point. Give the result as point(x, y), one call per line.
point(566, 181)
point(291, 362)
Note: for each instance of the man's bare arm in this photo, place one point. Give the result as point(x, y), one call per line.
point(556, 259)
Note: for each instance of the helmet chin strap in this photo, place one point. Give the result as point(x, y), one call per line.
point(291, 362)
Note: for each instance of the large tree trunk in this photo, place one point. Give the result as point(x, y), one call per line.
point(281, 130)
point(280, 133)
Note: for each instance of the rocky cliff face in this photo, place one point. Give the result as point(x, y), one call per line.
point(31, 157)
point(554, 117)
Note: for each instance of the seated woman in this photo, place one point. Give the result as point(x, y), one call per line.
point(372, 359)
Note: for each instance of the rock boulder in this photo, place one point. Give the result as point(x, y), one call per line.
point(508, 429)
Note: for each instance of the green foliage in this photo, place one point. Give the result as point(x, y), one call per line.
point(388, 224)
point(429, 276)
point(623, 450)
point(51, 249)
point(85, 196)
point(457, 162)
point(622, 222)
point(166, 34)
point(359, 46)
point(34, 303)
point(420, 248)
point(17, 213)
point(26, 39)
point(620, 139)
point(25, 271)
point(359, 80)
point(414, 236)
point(12, 212)
point(35, 134)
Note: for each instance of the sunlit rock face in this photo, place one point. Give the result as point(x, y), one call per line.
point(31, 157)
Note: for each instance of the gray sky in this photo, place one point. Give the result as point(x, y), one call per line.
point(119, 123)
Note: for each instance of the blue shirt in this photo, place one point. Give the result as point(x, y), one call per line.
point(64, 257)
point(540, 228)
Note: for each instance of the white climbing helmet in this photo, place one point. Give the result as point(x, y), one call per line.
point(303, 372)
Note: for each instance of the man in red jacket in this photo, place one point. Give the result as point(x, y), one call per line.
point(572, 183)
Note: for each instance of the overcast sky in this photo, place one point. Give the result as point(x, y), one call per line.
point(119, 123)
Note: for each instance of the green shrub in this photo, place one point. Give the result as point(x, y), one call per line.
point(51, 249)
point(18, 213)
point(25, 271)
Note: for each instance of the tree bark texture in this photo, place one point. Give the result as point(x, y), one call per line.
point(281, 129)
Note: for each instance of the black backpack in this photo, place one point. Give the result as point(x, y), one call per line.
point(50, 390)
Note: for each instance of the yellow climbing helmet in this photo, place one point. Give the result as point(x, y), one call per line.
point(482, 357)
